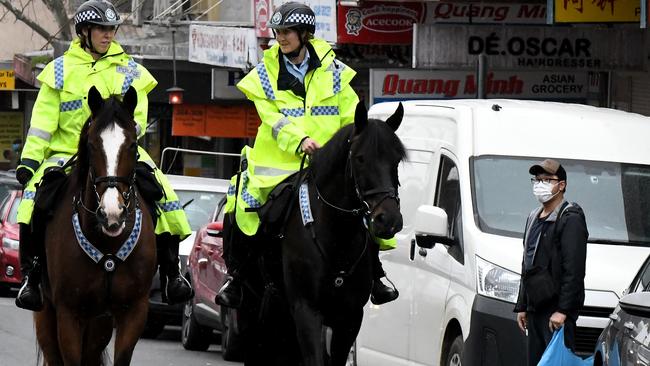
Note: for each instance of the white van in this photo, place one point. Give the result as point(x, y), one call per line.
point(466, 184)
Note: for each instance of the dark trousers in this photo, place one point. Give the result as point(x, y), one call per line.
point(539, 334)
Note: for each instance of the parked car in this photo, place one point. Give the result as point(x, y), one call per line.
point(199, 196)
point(201, 316)
point(10, 275)
point(8, 182)
point(626, 338)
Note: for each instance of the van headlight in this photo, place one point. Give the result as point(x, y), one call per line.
point(496, 282)
point(10, 243)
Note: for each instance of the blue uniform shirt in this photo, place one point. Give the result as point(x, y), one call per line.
point(299, 71)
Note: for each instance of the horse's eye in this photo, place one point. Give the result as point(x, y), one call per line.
point(360, 159)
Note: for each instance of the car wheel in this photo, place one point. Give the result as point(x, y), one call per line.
point(153, 328)
point(231, 342)
point(194, 336)
point(455, 351)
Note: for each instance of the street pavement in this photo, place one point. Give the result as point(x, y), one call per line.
point(18, 344)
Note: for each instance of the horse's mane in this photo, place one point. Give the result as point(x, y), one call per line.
point(111, 112)
point(379, 139)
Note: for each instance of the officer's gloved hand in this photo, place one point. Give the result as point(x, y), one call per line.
point(24, 174)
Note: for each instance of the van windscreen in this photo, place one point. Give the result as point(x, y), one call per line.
point(614, 196)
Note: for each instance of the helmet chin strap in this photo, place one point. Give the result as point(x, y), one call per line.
point(89, 44)
point(295, 53)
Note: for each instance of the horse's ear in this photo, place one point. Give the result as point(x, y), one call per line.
point(130, 100)
point(95, 100)
point(360, 117)
point(395, 120)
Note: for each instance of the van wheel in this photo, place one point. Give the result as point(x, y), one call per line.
point(455, 351)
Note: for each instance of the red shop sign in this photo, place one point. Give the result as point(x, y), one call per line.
point(379, 22)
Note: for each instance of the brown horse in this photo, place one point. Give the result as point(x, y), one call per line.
point(101, 220)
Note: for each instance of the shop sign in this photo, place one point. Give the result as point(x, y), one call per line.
point(237, 121)
point(325, 11)
point(7, 80)
point(404, 84)
point(485, 13)
point(262, 9)
point(223, 46)
point(379, 22)
point(597, 11)
point(515, 47)
point(224, 84)
point(11, 129)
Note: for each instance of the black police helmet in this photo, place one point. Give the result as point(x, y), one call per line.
point(293, 15)
point(100, 12)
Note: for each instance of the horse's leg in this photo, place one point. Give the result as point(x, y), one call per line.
point(96, 338)
point(344, 333)
point(46, 334)
point(70, 336)
point(309, 326)
point(129, 324)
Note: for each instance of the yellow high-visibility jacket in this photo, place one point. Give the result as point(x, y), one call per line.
point(287, 119)
point(61, 109)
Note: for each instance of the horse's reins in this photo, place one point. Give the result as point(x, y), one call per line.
point(365, 211)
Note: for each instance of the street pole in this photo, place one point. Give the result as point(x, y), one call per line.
point(174, 54)
point(482, 76)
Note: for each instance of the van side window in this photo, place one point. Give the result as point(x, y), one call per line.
point(448, 198)
point(643, 283)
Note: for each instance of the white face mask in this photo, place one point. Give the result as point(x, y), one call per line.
point(543, 191)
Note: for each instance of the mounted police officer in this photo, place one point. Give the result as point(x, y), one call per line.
point(60, 111)
point(303, 97)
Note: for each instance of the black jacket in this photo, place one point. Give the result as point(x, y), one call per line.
point(562, 249)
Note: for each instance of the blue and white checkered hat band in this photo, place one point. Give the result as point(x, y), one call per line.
point(86, 15)
point(301, 18)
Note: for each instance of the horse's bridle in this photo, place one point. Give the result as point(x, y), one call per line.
point(111, 181)
point(365, 210)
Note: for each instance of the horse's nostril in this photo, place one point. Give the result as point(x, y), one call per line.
point(113, 227)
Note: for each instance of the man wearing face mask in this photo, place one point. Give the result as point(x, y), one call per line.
point(552, 287)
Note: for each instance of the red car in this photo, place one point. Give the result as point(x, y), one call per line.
point(10, 275)
point(201, 315)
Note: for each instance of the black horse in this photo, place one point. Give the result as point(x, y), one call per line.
point(348, 199)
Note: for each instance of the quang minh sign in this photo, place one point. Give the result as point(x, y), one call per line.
point(403, 84)
point(379, 22)
point(485, 13)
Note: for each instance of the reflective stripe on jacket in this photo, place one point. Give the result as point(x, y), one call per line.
point(287, 119)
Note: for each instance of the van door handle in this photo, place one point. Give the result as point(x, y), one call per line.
point(202, 262)
point(412, 251)
point(614, 317)
point(629, 325)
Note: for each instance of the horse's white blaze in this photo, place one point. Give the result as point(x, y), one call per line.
point(112, 139)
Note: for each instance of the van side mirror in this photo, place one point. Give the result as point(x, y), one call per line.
point(215, 229)
point(431, 227)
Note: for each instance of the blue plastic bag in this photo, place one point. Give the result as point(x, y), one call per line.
point(557, 354)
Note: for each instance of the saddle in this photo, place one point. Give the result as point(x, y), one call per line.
point(51, 187)
point(274, 212)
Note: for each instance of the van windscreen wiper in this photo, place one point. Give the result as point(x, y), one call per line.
point(619, 242)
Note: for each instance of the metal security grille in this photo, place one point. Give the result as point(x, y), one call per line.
point(586, 339)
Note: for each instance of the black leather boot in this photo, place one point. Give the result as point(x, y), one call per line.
point(177, 289)
point(381, 293)
point(230, 295)
point(29, 296)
